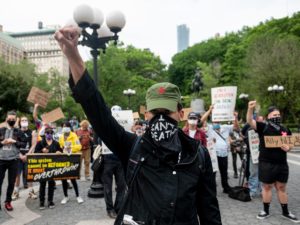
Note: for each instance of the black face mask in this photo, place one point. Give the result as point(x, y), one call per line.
point(275, 120)
point(164, 132)
point(11, 123)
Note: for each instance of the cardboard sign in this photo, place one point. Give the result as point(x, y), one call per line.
point(278, 141)
point(254, 145)
point(52, 116)
point(39, 96)
point(142, 110)
point(42, 167)
point(213, 154)
point(124, 118)
point(186, 113)
point(136, 115)
point(223, 99)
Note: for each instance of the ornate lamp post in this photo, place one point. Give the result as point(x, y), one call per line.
point(129, 92)
point(89, 19)
point(275, 89)
point(244, 98)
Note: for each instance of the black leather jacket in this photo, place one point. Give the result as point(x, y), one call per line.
point(161, 193)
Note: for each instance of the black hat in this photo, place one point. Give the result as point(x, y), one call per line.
point(193, 115)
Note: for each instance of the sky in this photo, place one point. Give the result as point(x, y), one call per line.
point(152, 24)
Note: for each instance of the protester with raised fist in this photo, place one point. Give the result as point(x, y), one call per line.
point(273, 169)
point(169, 175)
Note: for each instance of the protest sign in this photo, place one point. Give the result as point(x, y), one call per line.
point(124, 118)
point(52, 116)
point(254, 145)
point(42, 167)
point(213, 154)
point(223, 100)
point(38, 96)
point(186, 113)
point(278, 141)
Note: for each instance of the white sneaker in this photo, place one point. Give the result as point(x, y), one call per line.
point(15, 195)
point(64, 201)
point(79, 200)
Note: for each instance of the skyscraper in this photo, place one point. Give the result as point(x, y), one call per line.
point(183, 37)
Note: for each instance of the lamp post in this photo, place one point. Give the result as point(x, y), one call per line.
point(129, 92)
point(88, 19)
point(275, 89)
point(92, 19)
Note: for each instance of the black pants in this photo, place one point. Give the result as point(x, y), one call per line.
point(65, 187)
point(51, 184)
point(113, 167)
point(234, 159)
point(12, 167)
point(223, 167)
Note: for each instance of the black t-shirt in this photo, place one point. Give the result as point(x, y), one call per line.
point(28, 138)
point(273, 155)
point(52, 148)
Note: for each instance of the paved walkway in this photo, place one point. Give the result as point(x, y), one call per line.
point(93, 212)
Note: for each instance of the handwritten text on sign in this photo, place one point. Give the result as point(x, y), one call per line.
point(254, 145)
point(278, 141)
point(223, 99)
point(43, 167)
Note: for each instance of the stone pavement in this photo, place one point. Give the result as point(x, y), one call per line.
point(93, 212)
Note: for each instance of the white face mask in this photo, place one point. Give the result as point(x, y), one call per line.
point(66, 130)
point(193, 122)
point(24, 124)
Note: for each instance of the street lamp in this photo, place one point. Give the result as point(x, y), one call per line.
point(86, 17)
point(129, 92)
point(275, 89)
point(89, 19)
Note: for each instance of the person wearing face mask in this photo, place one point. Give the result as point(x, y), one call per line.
point(192, 129)
point(47, 145)
point(23, 124)
point(70, 143)
point(11, 141)
point(170, 183)
point(273, 170)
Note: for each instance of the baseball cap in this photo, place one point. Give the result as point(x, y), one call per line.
point(163, 95)
point(193, 115)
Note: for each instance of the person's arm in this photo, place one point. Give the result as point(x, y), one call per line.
point(206, 114)
point(250, 120)
point(86, 93)
point(34, 137)
point(67, 38)
point(207, 202)
point(20, 140)
point(35, 112)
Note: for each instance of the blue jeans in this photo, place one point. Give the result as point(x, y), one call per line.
point(254, 184)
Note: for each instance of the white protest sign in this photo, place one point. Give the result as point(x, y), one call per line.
point(124, 118)
point(223, 99)
point(213, 154)
point(254, 145)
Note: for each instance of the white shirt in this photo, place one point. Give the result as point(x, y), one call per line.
point(221, 146)
point(192, 133)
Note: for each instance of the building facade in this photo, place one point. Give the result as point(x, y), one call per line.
point(11, 50)
point(183, 37)
point(43, 50)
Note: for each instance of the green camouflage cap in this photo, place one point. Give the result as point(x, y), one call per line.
point(163, 95)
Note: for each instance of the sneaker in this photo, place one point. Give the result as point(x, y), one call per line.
point(112, 214)
point(291, 217)
point(42, 206)
point(8, 206)
point(64, 201)
point(32, 195)
point(15, 195)
point(51, 205)
point(262, 215)
point(79, 200)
